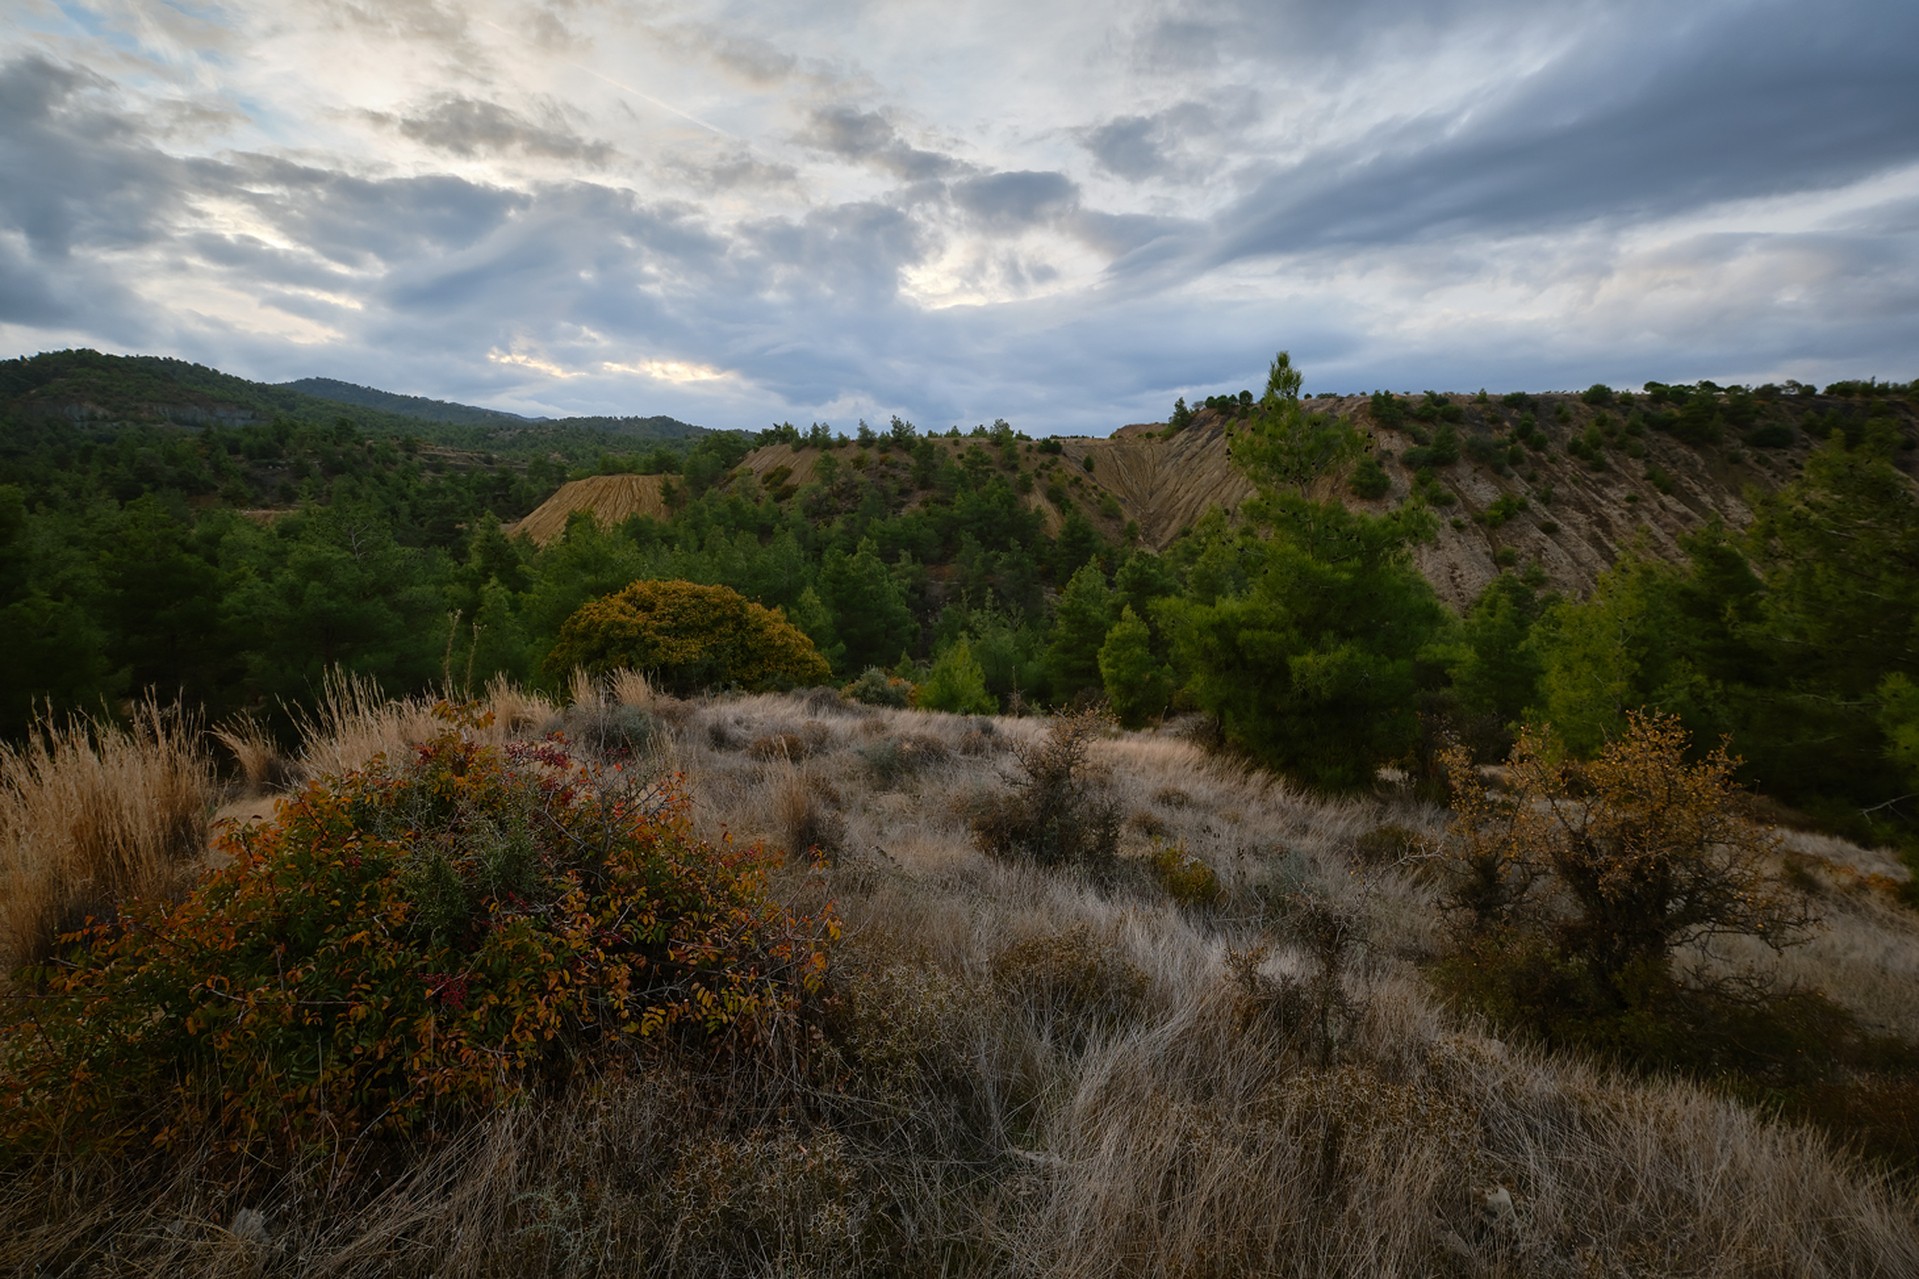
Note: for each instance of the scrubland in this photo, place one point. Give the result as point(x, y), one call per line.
point(1221, 1052)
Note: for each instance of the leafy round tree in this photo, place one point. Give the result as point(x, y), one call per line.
point(688, 637)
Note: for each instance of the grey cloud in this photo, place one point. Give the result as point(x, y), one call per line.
point(734, 171)
point(754, 61)
point(1015, 200)
point(854, 251)
point(1206, 35)
point(1721, 112)
point(467, 126)
point(80, 174)
point(441, 22)
point(868, 137)
point(1120, 235)
point(1141, 147)
point(27, 296)
point(366, 222)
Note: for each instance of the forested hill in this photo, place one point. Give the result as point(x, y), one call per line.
point(108, 391)
point(165, 526)
point(418, 406)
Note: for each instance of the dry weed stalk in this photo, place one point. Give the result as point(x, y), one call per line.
point(92, 814)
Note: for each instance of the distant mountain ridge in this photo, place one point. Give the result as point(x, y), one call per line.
point(419, 406)
point(86, 386)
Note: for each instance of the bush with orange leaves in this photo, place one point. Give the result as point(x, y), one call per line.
point(403, 945)
point(1614, 863)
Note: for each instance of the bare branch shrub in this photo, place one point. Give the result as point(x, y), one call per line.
point(1061, 811)
point(1620, 861)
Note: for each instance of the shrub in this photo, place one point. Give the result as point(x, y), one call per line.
point(808, 811)
point(404, 944)
point(1075, 978)
point(956, 683)
point(1615, 863)
point(893, 760)
point(1060, 812)
point(1186, 879)
point(1388, 845)
point(1369, 479)
point(687, 637)
point(1314, 1007)
point(877, 688)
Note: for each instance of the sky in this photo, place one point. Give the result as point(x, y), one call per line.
point(1061, 214)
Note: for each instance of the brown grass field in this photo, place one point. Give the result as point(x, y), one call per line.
point(1015, 1070)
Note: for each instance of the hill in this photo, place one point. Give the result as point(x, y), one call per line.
point(327, 388)
point(1564, 482)
point(608, 498)
point(103, 393)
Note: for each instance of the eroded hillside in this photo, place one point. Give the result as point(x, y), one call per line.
point(1558, 483)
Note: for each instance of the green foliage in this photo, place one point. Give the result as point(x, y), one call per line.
point(687, 637)
point(867, 605)
point(1312, 653)
point(1316, 665)
point(1443, 450)
point(1181, 419)
point(956, 683)
point(1084, 616)
point(1502, 509)
point(1368, 479)
point(1284, 447)
point(1497, 671)
point(402, 947)
point(1138, 684)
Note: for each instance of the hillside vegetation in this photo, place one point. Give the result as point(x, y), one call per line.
point(1213, 1043)
point(706, 896)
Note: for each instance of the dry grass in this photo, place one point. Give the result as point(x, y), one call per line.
point(1028, 1072)
point(255, 754)
point(355, 721)
point(91, 814)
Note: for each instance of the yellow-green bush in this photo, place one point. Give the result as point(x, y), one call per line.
point(1186, 879)
point(402, 945)
point(687, 637)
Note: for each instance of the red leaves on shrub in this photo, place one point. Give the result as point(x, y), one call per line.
point(404, 944)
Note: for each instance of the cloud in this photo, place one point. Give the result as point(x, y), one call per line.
point(1062, 219)
point(469, 127)
point(1017, 200)
point(1717, 113)
point(868, 137)
point(80, 174)
point(1146, 147)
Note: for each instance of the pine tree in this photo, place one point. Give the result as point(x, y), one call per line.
point(1079, 628)
point(956, 683)
point(1137, 683)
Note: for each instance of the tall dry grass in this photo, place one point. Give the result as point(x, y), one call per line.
point(1024, 1072)
point(355, 721)
point(91, 814)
